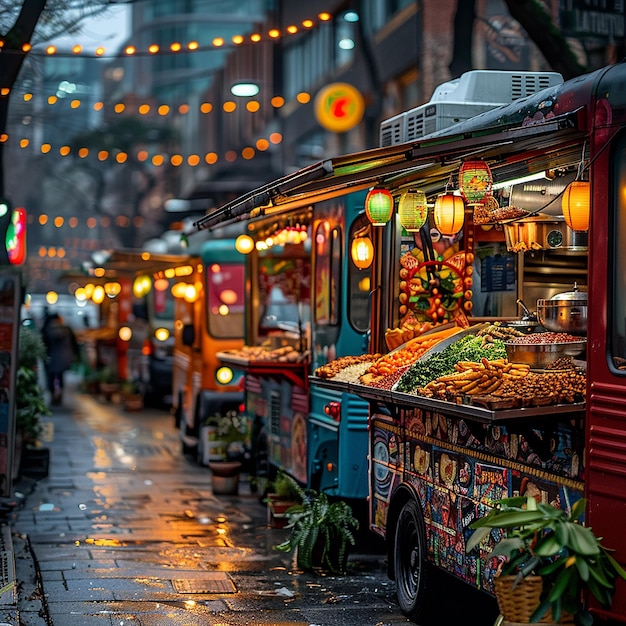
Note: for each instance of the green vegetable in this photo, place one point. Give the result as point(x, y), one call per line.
point(467, 348)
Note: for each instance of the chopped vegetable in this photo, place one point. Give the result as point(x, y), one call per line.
point(468, 348)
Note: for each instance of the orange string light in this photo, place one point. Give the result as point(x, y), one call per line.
point(176, 47)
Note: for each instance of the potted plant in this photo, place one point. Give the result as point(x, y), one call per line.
point(110, 383)
point(321, 532)
point(282, 494)
point(132, 395)
point(30, 404)
point(223, 449)
point(546, 545)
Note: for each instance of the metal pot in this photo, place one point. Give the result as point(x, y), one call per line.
point(565, 312)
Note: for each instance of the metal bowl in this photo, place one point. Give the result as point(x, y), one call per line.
point(563, 316)
point(542, 355)
point(525, 326)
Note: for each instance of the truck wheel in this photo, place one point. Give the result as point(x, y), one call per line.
point(410, 559)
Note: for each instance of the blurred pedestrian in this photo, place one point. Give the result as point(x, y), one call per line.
point(63, 351)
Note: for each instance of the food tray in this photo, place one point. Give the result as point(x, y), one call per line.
point(541, 355)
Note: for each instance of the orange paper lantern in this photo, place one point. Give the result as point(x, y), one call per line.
point(362, 252)
point(449, 214)
point(575, 204)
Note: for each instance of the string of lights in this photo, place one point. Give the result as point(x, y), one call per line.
point(163, 110)
point(157, 160)
point(130, 50)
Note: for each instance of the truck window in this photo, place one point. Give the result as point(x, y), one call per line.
point(359, 285)
point(284, 294)
point(225, 300)
point(327, 274)
point(617, 319)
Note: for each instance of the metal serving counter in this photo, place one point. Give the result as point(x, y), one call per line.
point(467, 411)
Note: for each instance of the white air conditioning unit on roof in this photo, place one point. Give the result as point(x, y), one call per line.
point(464, 97)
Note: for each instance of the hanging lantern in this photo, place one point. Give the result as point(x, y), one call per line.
point(362, 252)
point(98, 294)
point(449, 214)
point(142, 286)
point(112, 289)
point(244, 244)
point(475, 181)
point(575, 205)
point(378, 206)
point(412, 210)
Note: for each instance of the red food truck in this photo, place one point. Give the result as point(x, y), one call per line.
point(502, 226)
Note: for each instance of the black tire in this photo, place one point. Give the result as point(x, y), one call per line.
point(410, 560)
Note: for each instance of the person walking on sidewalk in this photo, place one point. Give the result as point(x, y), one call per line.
point(63, 351)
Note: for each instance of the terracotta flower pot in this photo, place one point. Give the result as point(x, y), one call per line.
point(225, 477)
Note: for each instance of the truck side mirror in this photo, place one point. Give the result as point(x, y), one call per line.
point(189, 335)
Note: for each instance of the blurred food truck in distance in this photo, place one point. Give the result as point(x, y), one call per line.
point(132, 335)
point(209, 304)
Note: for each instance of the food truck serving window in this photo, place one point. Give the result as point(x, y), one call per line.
point(617, 319)
point(327, 274)
point(225, 300)
point(284, 290)
point(359, 284)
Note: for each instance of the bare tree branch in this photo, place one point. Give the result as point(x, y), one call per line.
point(536, 21)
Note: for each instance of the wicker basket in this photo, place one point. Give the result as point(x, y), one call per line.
point(517, 605)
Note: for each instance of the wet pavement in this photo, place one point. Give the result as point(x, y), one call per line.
point(126, 531)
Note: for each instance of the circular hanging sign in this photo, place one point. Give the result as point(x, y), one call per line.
point(339, 107)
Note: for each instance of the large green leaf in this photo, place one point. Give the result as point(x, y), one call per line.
point(583, 568)
point(508, 546)
point(509, 519)
point(549, 545)
point(478, 536)
point(582, 540)
point(563, 580)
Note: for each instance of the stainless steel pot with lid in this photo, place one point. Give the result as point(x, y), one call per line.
point(564, 312)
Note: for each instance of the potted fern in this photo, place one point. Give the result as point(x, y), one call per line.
point(282, 495)
point(549, 549)
point(321, 532)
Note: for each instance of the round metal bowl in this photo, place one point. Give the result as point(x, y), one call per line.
point(525, 326)
point(542, 355)
point(563, 316)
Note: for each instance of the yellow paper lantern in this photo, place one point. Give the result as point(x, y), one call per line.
point(449, 214)
point(575, 204)
point(412, 210)
point(378, 206)
point(362, 252)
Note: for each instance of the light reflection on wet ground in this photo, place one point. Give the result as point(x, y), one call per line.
point(130, 517)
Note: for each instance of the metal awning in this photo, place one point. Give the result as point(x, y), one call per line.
point(511, 152)
point(429, 163)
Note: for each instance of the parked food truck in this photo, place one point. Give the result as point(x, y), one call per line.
point(525, 394)
point(307, 305)
point(209, 313)
point(132, 337)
